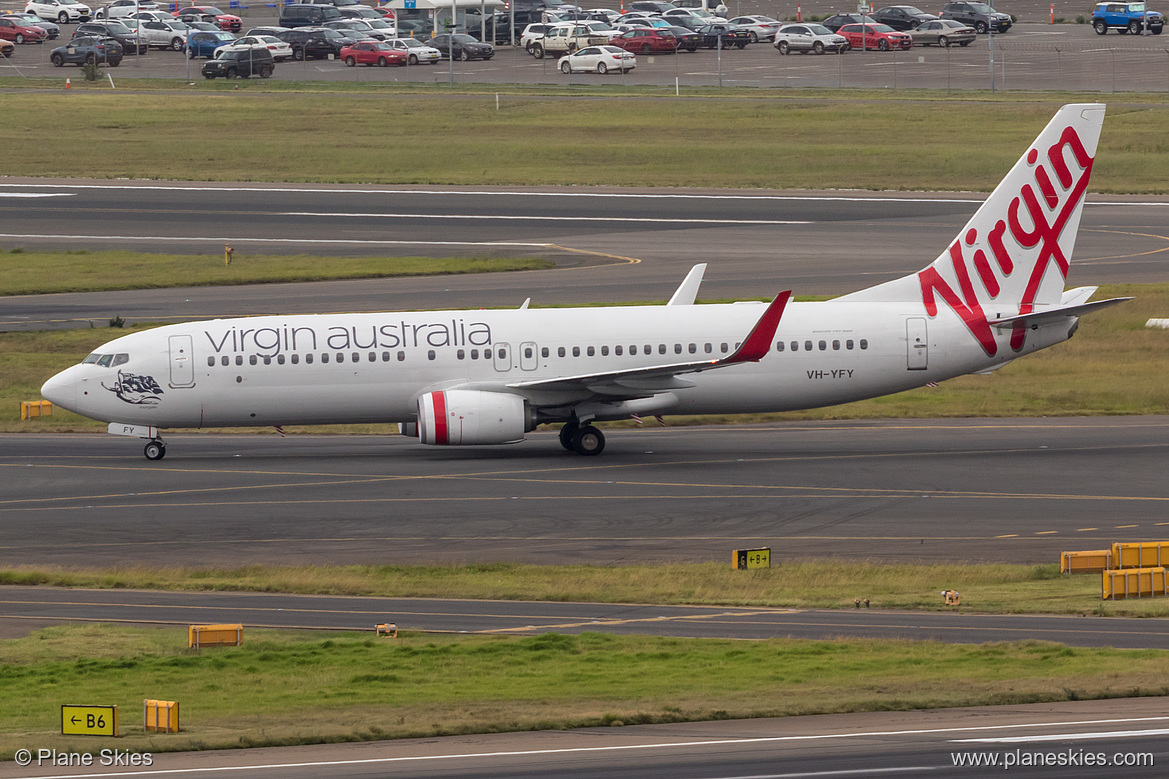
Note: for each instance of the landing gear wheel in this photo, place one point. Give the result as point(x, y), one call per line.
point(155, 450)
point(567, 433)
point(588, 441)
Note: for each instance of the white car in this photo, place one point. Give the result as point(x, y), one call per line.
point(697, 14)
point(153, 16)
point(597, 59)
point(609, 14)
point(121, 9)
point(161, 35)
point(533, 33)
point(281, 50)
point(60, 11)
point(807, 37)
point(762, 28)
point(602, 28)
point(417, 50)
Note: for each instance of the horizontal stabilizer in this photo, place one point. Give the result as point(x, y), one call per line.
point(1052, 314)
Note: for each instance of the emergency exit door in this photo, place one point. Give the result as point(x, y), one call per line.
point(182, 361)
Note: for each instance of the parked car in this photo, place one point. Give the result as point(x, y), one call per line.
point(762, 28)
point(364, 12)
point(154, 16)
point(597, 59)
point(7, 48)
point(119, 9)
point(686, 39)
point(93, 49)
point(462, 47)
point(131, 42)
point(279, 49)
point(980, 16)
point(267, 30)
point(19, 31)
point(566, 38)
point(881, 37)
point(209, 13)
point(201, 43)
point(834, 23)
point(651, 6)
point(315, 42)
point(532, 33)
point(815, 38)
point(729, 35)
point(416, 51)
point(161, 35)
point(702, 17)
point(353, 28)
point(902, 17)
point(202, 27)
point(239, 63)
point(607, 15)
point(377, 53)
point(59, 11)
point(646, 40)
point(942, 32)
point(32, 20)
point(1126, 18)
point(308, 15)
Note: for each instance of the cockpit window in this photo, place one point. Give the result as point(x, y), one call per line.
point(119, 359)
point(91, 359)
point(104, 360)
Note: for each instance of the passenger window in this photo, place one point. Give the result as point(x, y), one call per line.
point(708, 348)
point(693, 348)
point(848, 344)
point(604, 351)
point(723, 348)
point(251, 359)
point(386, 356)
point(617, 350)
point(267, 359)
point(224, 361)
point(661, 348)
point(560, 351)
point(356, 357)
point(280, 358)
point(677, 348)
point(296, 359)
point(119, 359)
point(807, 346)
point(836, 346)
point(591, 351)
point(474, 354)
point(823, 345)
point(373, 356)
point(340, 357)
point(502, 353)
point(308, 358)
point(324, 357)
point(864, 343)
point(401, 356)
point(104, 360)
point(460, 354)
point(543, 351)
point(430, 354)
point(633, 350)
point(210, 362)
point(239, 360)
point(779, 346)
point(795, 346)
point(576, 351)
point(528, 352)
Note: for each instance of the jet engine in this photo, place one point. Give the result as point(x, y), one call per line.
point(465, 417)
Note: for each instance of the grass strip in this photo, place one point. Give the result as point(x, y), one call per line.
point(534, 140)
point(1114, 365)
point(985, 587)
point(38, 272)
point(284, 687)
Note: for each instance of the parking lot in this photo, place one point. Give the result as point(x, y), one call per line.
point(1031, 56)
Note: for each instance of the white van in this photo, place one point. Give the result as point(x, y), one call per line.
point(716, 7)
point(565, 38)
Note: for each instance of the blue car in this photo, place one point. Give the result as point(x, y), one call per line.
point(1126, 17)
point(203, 44)
point(88, 48)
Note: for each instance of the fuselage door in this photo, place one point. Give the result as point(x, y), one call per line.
point(502, 355)
point(528, 359)
point(182, 361)
point(917, 344)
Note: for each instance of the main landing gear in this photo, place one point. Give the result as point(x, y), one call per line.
point(582, 439)
point(155, 450)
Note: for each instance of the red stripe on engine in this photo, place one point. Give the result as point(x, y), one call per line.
point(440, 430)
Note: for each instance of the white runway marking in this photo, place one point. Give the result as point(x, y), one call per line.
point(38, 194)
point(1065, 736)
point(223, 239)
point(540, 218)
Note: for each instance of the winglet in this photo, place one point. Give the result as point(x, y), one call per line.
point(758, 342)
point(688, 290)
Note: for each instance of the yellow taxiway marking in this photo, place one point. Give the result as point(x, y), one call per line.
point(1009, 535)
point(1083, 529)
point(1125, 527)
point(1045, 532)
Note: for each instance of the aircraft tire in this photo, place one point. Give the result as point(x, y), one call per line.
point(567, 433)
point(588, 441)
point(155, 450)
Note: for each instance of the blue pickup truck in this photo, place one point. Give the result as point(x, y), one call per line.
point(1126, 18)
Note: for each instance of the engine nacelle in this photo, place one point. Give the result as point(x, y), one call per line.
point(466, 417)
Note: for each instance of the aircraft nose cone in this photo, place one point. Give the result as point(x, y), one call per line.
point(61, 390)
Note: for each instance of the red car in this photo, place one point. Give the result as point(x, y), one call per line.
point(646, 41)
point(209, 13)
point(18, 32)
point(881, 37)
point(377, 53)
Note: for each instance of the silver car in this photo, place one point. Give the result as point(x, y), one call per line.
point(160, 35)
point(762, 28)
point(815, 38)
point(417, 50)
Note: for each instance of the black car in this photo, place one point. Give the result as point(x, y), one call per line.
point(729, 34)
point(240, 63)
point(687, 38)
point(93, 49)
point(128, 39)
point(903, 17)
point(834, 23)
point(315, 42)
point(462, 47)
point(980, 16)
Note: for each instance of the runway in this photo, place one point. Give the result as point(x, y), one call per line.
point(1123, 737)
point(1019, 490)
point(25, 608)
point(609, 245)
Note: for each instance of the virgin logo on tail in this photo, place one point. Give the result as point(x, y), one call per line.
point(1045, 221)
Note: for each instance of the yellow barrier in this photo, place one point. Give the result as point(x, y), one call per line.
point(31, 409)
point(1133, 583)
point(199, 636)
point(160, 716)
point(1094, 561)
point(387, 629)
point(1146, 555)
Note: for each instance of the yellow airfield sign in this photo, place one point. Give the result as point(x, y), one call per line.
point(89, 720)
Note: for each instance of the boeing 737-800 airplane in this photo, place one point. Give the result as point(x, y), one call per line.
point(489, 377)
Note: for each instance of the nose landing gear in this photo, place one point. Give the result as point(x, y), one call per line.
point(155, 450)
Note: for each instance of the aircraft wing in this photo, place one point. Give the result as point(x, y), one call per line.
point(639, 382)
